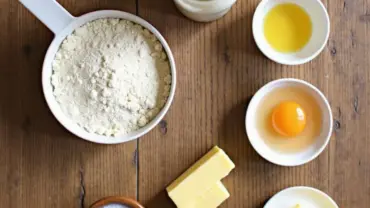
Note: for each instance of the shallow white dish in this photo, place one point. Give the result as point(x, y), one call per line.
point(62, 23)
point(278, 157)
point(320, 31)
point(307, 197)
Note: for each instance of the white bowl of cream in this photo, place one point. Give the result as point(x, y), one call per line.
point(204, 10)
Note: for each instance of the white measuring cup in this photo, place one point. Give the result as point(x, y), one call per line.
point(62, 23)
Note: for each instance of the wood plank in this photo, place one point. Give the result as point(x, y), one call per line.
point(42, 165)
point(349, 60)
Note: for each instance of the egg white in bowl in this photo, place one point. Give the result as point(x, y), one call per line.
point(280, 156)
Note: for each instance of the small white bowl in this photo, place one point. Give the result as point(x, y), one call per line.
point(278, 157)
point(320, 31)
point(305, 196)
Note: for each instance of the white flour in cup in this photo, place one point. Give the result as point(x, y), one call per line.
point(111, 76)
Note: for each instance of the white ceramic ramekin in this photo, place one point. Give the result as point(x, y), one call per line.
point(320, 31)
point(62, 23)
point(302, 195)
point(276, 156)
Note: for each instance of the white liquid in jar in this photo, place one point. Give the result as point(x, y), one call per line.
point(204, 10)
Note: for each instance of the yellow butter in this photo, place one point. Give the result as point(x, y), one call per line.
point(200, 177)
point(212, 198)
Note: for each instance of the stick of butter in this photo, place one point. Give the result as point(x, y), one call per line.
point(211, 198)
point(200, 177)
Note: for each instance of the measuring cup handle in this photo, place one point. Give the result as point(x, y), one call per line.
point(49, 12)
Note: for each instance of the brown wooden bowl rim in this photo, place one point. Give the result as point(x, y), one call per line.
point(118, 200)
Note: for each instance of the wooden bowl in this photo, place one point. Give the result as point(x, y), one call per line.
point(117, 200)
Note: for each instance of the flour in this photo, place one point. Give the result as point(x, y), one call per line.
point(111, 76)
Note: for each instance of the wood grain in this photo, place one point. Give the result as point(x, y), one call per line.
point(350, 148)
point(219, 69)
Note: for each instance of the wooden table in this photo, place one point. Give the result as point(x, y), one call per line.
point(219, 69)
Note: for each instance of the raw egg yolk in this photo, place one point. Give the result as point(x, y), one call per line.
point(288, 119)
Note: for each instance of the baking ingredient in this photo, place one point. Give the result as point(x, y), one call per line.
point(111, 76)
point(200, 177)
point(288, 119)
point(300, 98)
point(301, 197)
point(287, 27)
point(207, 5)
point(212, 198)
point(204, 10)
point(115, 206)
